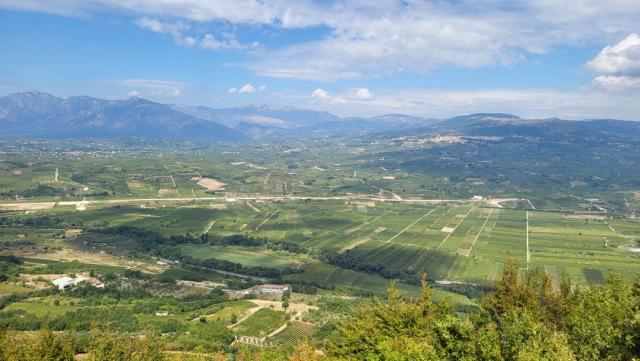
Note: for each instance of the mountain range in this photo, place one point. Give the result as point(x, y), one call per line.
point(38, 114)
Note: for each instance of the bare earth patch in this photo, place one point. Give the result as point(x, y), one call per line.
point(209, 183)
point(166, 192)
point(135, 185)
point(366, 204)
point(220, 206)
point(26, 206)
point(585, 216)
point(448, 229)
point(67, 255)
point(69, 233)
point(276, 305)
point(36, 280)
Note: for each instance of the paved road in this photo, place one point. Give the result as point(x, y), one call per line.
point(363, 197)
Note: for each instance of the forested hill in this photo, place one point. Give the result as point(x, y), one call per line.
point(523, 319)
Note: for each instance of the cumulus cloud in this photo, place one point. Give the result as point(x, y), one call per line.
point(133, 94)
point(247, 89)
point(377, 39)
point(320, 93)
point(352, 95)
point(622, 58)
point(361, 94)
point(619, 65)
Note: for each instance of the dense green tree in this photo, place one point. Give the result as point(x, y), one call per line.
point(109, 346)
point(43, 346)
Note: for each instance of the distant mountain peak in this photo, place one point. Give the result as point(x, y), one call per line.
point(44, 115)
point(493, 115)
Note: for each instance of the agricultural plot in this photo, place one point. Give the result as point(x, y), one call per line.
point(584, 247)
point(39, 307)
point(407, 257)
point(244, 256)
point(230, 310)
point(261, 323)
point(296, 331)
point(462, 237)
point(342, 278)
point(503, 238)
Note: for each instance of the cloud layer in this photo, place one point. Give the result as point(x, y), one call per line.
point(534, 103)
point(367, 38)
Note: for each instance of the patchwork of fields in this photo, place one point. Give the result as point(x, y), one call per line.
point(450, 242)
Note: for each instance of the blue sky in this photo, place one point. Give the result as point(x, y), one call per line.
point(428, 58)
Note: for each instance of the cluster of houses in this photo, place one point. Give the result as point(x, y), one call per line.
point(67, 282)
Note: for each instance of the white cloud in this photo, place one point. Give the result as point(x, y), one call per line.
point(133, 94)
point(190, 41)
point(174, 29)
point(353, 95)
point(361, 94)
point(534, 103)
point(159, 26)
point(227, 41)
point(367, 38)
point(619, 65)
point(159, 88)
point(376, 39)
point(247, 89)
point(320, 93)
point(617, 83)
point(622, 58)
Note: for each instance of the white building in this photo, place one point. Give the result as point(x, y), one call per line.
point(273, 289)
point(63, 282)
point(66, 281)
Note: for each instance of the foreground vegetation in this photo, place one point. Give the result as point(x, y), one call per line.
point(526, 319)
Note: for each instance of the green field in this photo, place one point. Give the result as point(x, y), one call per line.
point(261, 323)
point(245, 256)
point(295, 332)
